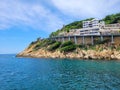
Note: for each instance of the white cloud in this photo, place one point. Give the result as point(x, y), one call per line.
point(87, 8)
point(34, 15)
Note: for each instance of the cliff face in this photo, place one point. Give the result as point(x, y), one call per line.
point(104, 54)
point(79, 54)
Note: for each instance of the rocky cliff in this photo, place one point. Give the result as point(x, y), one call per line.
point(98, 52)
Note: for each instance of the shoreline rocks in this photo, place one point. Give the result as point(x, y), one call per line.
point(78, 54)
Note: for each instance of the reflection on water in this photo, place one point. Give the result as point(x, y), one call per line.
point(58, 74)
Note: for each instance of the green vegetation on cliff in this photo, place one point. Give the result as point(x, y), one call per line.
point(68, 46)
point(42, 44)
point(54, 49)
point(114, 18)
point(110, 19)
point(52, 45)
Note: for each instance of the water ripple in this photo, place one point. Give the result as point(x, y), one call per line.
point(57, 74)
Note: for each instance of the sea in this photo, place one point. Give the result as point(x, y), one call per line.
point(58, 74)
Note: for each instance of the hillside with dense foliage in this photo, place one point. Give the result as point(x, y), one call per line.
point(109, 19)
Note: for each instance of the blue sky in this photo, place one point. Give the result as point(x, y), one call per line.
point(22, 21)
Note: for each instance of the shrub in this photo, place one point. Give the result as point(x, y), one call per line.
point(43, 43)
point(67, 43)
point(68, 48)
point(118, 48)
point(38, 46)
point(81, 46)
point(54, 46)
point(48, 42)
point(104, 41)
point(92, 47)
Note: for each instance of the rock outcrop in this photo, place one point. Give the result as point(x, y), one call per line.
point(78, 53)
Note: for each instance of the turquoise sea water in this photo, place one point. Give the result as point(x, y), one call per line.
point(58, 74)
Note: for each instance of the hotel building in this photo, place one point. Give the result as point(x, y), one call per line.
point(94, 27)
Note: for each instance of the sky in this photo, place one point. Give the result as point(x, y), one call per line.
point(23, 21)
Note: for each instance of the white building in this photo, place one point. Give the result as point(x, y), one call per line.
point(110, 29)
point(92, 23)
point(97, 27)
point(90, 31)
point(94, 27)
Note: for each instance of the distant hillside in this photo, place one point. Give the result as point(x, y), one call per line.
point(110, 19)
point(114, 18)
